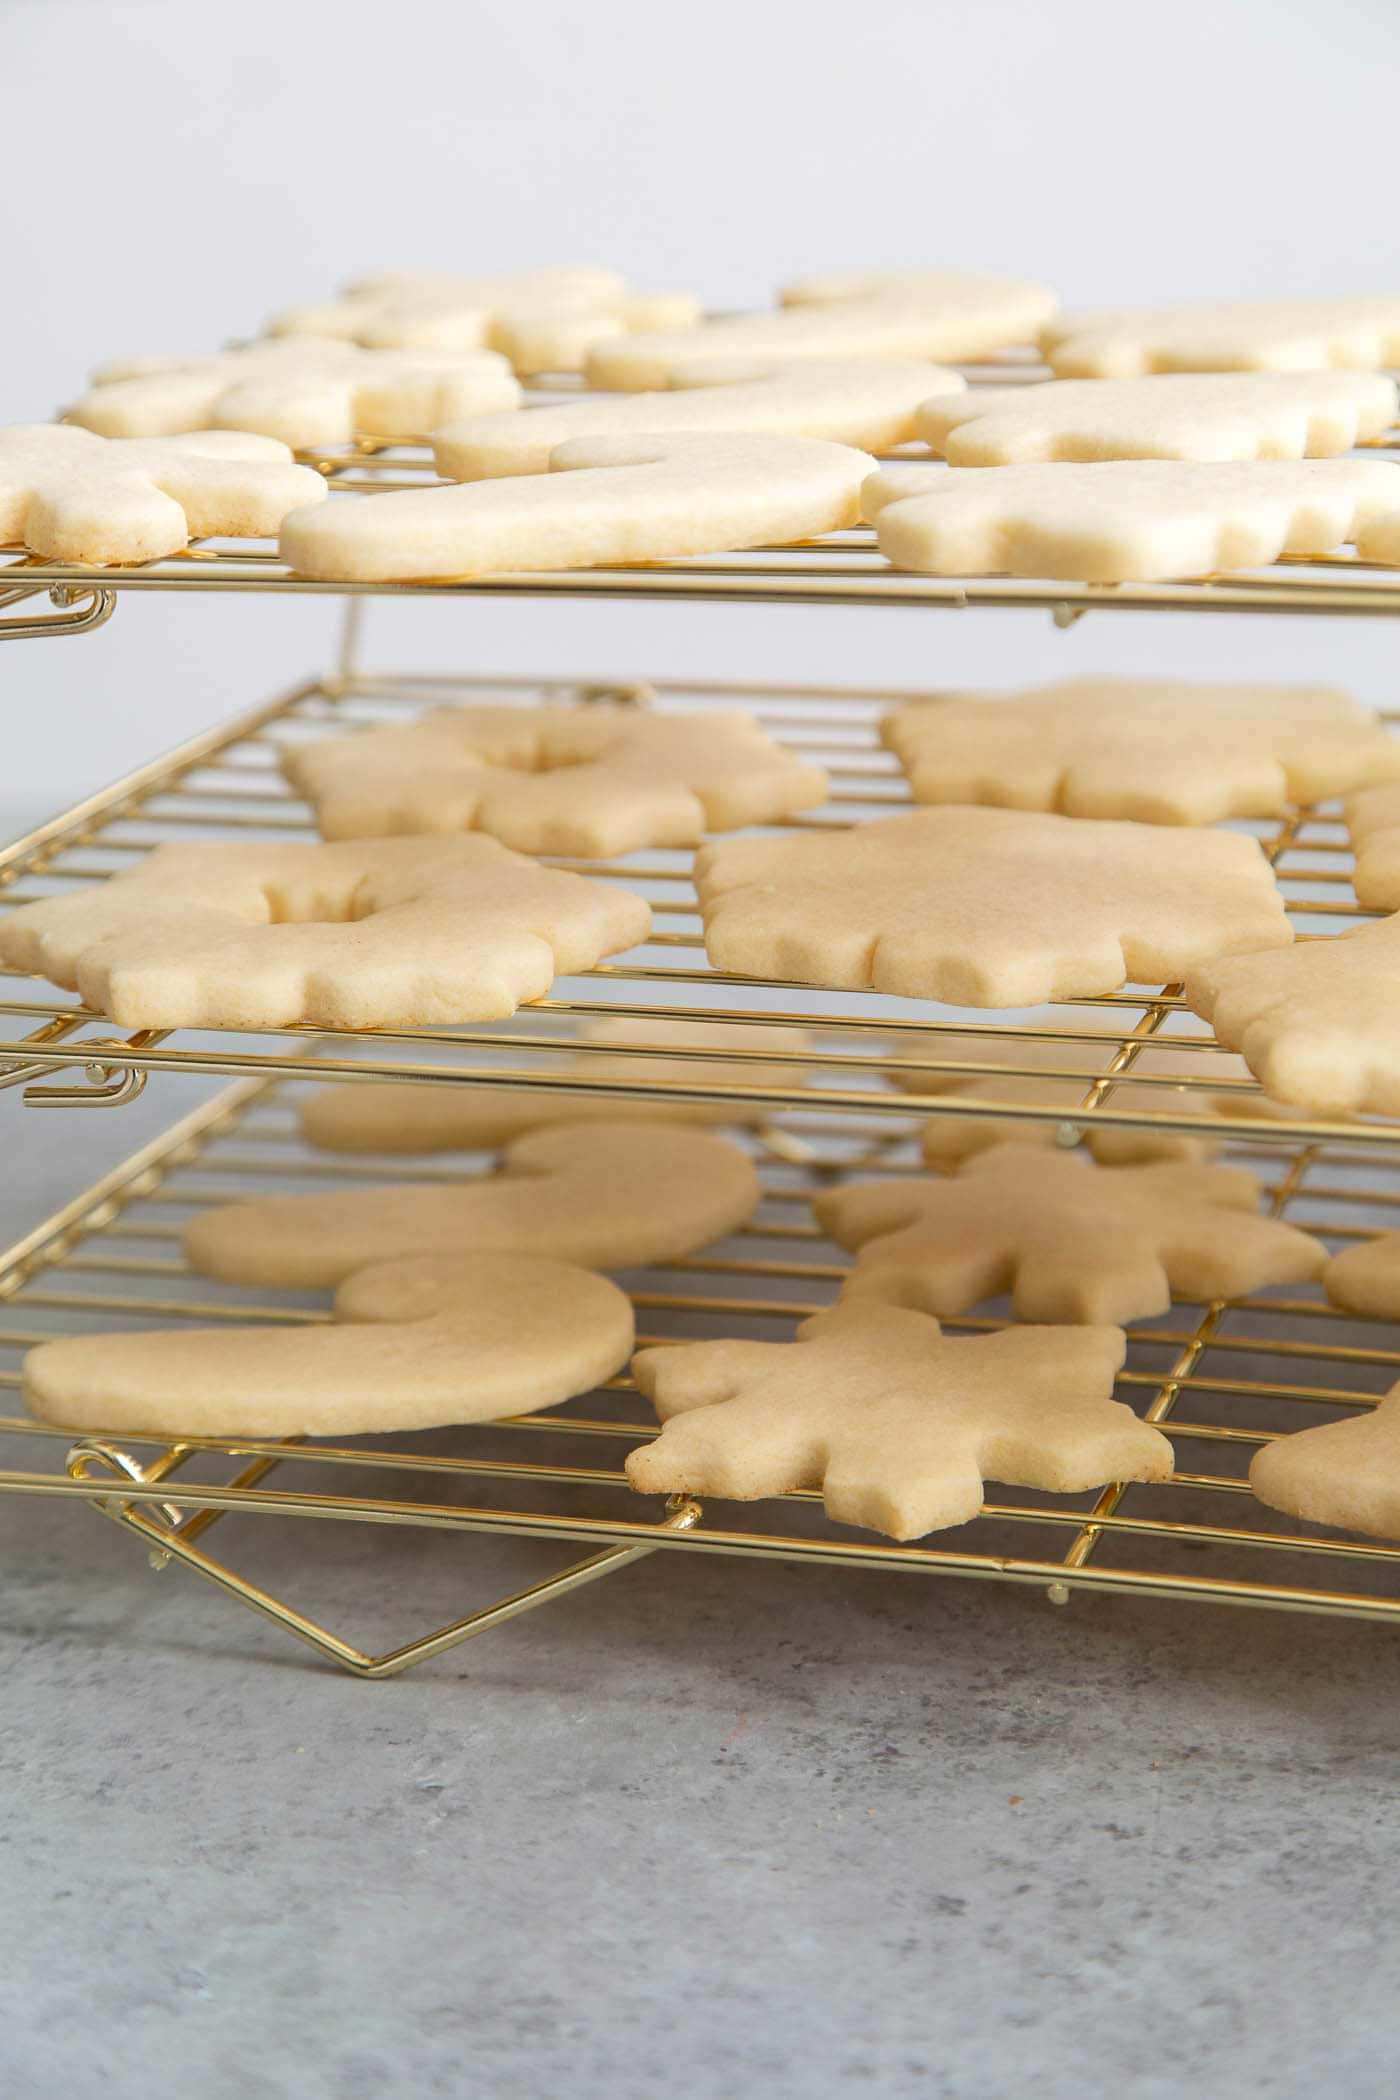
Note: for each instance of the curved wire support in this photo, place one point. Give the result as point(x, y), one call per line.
point(92, 1451)
point(103, 1085)
point(79, 609)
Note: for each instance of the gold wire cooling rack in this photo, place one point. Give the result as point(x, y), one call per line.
point(1219, 1378)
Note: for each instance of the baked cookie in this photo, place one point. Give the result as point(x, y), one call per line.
point(306, 393)
point(986, 907)
point(895, 1423)
point(416, 1343)
point(400, 1116)
point(1346, 1474)
point(1248, 335)
point(1132, 521)
point(1069, 1241)
point(606, 500)
point(542, 320)
point(606, 1195)
point(1365, 1278)
point(1157, 750)
point(1373, 821)
point(67, 495)
point(593, 781)
point(1060, 1076)
point(381, 933)
point(1231, 415)
point(860, 314)
point(1318, 1027)
point(870, 405)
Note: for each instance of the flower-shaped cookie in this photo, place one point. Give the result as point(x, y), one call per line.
point(589, 780)
point(1248, 335)
point(70, 496)
point(1071, 1242)
point(417, 1342)
point(381, 933)
point(896, 1424)
point(986, 907)
point(1346, 1474)
point(306, 393)
point(1157, 750)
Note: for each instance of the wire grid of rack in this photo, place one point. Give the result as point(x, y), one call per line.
point(1219, 1378)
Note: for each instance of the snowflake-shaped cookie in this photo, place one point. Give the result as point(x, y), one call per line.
point(986, 907)
point(308, 394)
point(1132, 521)
point(1318, 1027)
point(895, 1423)
point(381, 933)
point(1067, 1240)
point(70, 496)
point(589, 780)
point(609, 500)
point(1256, 335)
point(862, 314)
point(1249, 415)
point(1346, 1474)
point(1157, 750)
point(871, 405)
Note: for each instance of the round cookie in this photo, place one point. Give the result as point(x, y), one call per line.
point(416, 1343)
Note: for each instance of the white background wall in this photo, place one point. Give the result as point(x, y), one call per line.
point(175, 171)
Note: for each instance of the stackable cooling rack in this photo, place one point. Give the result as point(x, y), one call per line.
point(1219, 1379)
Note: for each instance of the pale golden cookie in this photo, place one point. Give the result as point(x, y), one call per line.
point(1365, 1278)
point(400, 1116)
point(871, 405)
point(1318, 1027)
point(895, 1423)
point(607, 1195)
point(986, 907)
point(1132, 520)
point(592, 781)
point(1247, 335)
point(1069, 1241)
point(1157, 750)
point(417, 1343)
point(1346, 1474)
point(854, 314)
point(1373, 821)
point(605, 500)
point(375, 934)
point(70, 496)
point(306, 393)
point(1235, 415)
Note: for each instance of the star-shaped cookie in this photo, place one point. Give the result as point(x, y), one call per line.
point(896, 1424)
point(70, 496)
point(1247, 335)
point(1373, 821)
point(1318, 1027)
point(1157, 750)
point(986, 907)
point(1234, 415)
point(1346, 1474)
point(1071, 1242)
point(591, 780)
point(1132, 520)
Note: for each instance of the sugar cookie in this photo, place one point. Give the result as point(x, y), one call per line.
point(400, 1116)
point(1318, 1027)
point(70, 496)
point(1233, 415)
point(610, 500)
point(1157, 750)
point(593, 780)
point(895, 1423)
point(607, 1195)
point(986, 907)
point(306, 393)
point(1346, 1474)
point(378, 933)
point(1365, 1278)
point(870, 405)
point(1131, 521)
point(1249, 335)
point(1069, 1241)
point(1373, 822)
point(417, 1343)
point(910, 314)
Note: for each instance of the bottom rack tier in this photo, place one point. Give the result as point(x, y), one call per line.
point(1220, 1379)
